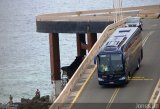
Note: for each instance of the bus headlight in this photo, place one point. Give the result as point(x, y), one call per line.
point(100, 79)
point(122, 78)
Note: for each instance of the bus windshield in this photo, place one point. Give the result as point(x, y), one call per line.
point(110, 63)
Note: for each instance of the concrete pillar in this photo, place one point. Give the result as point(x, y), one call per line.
point(92, 38)
point(81, 44)
point(54, 56)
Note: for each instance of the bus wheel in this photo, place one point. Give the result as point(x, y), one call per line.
point(138, 65)
point(141, 54)
point(129, 75)
point(127, 80)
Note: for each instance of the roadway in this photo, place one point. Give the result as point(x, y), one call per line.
point(136, 91)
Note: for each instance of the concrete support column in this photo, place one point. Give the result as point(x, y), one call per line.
point(54, 56)
point(81, 44)
point(92, 38)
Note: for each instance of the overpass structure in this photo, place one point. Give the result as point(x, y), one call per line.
point(83, 91)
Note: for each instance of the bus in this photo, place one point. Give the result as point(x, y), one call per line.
point(134, 22)
point(120, 56)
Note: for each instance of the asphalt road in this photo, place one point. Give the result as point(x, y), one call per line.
point(136, 92)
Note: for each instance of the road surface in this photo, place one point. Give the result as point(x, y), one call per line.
point(137, 91)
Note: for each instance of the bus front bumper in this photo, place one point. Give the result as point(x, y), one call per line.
point(118, 81)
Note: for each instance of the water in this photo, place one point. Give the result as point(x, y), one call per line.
point(24, 53)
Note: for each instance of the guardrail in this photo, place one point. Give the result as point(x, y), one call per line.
point(155, 98)
point(89, 58)
point(143, 10)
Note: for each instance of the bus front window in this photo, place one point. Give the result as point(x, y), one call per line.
point(116, 63)
point(103, 63)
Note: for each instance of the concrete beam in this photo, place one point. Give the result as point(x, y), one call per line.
point(72, 26)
